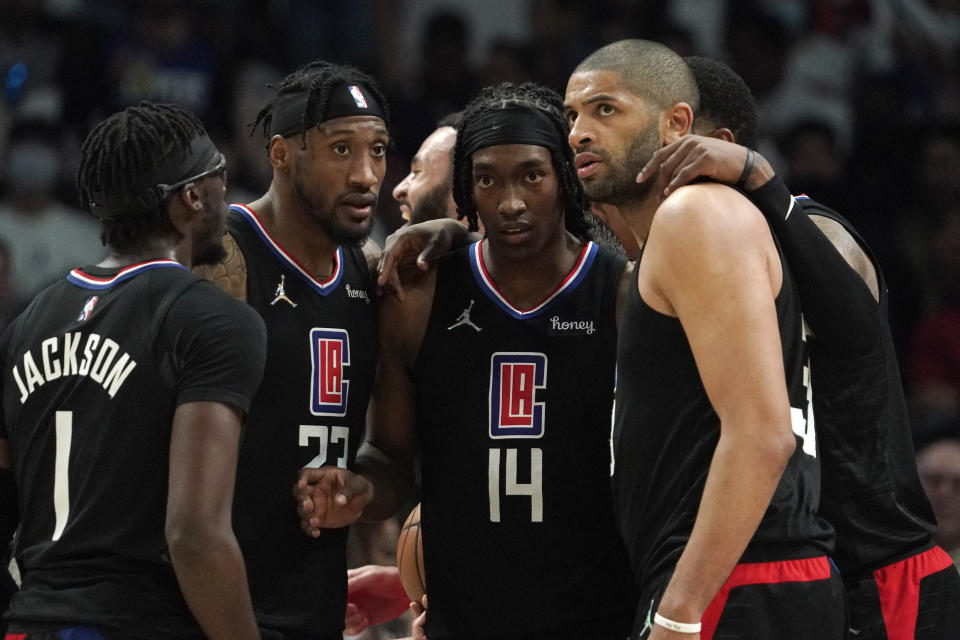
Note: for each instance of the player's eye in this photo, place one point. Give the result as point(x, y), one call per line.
point(341, 149)
point(484, 182)
point(379, 150)
point(571, 117)
point(605, 109)
point(534, 177)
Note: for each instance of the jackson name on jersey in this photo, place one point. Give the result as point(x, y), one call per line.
point(60, 356)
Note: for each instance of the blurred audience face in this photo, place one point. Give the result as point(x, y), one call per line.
point(939, 465)
point(427, 191)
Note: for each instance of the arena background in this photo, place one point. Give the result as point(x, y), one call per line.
point(859, 103)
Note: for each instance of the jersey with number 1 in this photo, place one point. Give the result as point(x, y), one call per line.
point(666, 432)
point(309, 411)
point(514, 410)
point(93, 371)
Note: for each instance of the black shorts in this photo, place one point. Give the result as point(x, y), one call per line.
point(913, 599)
point(783, 600)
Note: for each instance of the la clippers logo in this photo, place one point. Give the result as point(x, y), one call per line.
point(514, 381)
point(358, 96)
point(330, 354)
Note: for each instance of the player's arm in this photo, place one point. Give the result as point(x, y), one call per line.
point(9, 503)
point(423, 244)
point(719, 275)
point(205, 554)
point(219, 346)
point(836, 280)
point(383, 472)
point(231, 274)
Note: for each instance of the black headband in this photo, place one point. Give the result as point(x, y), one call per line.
point(516, 125)
point(343, 100)
point(145, 193)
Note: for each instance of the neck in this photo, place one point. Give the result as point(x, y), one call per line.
point(154, 251)
point(528, 280)
point(293, 226)
point(638, 214)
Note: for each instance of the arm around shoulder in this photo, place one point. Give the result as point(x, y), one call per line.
point(387, 456)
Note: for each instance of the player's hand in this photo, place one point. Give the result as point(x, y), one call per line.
point(690, 157)
point(374, 595)
point(421, 244)
point(417, 626)
point(330, 498)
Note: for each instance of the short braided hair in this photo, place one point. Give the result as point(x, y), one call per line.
point(316, 79)
point(525, 96)
point(119, 150)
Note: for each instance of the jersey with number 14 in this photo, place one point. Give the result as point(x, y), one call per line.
point(309, 411)
point(514, 411)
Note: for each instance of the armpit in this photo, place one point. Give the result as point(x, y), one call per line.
point(231, 274)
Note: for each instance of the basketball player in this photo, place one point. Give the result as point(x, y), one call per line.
point(299, 256)
point(899, 585)
point(426, 193)
point(124, 388)
point(715, 470)
point(499, 367)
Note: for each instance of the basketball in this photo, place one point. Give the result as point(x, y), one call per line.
point(410, 557)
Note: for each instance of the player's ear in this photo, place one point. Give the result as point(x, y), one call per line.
point(723, 134)
point(279, 152)
point(184, 207)
point(675, 122)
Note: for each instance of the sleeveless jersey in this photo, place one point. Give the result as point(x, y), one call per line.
point(514, 412)
point(93, 371)
point(309, 411)
point(871, 489)
point(666, 431)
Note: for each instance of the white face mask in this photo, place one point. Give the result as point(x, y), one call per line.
point(32, 167)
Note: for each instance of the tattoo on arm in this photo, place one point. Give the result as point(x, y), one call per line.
point(847, 246)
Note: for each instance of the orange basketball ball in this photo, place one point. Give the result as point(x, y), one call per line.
point(410, 557)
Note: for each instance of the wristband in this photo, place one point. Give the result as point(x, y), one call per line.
point(747, 168)
point(679, 627)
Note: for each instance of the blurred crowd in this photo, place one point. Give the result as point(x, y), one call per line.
point(859, 104)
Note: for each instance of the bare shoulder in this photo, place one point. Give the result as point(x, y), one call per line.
point(371, 253)
point(231, 274)
point(712, 216)
point(848, 247)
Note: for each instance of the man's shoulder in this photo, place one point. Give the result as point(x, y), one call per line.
point(709, 213)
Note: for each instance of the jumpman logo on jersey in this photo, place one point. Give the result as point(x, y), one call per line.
point(647, 624)
point(464, 319)
point(281, 293)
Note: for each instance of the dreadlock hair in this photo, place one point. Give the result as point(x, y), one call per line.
point(533, 97)
point(725, 101)
point(120, 149)
point(316, 79)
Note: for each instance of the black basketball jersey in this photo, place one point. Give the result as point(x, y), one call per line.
point(309, 411)
point(93, 371)
point(666, 431)
point(871, 489)
point(514, 411)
